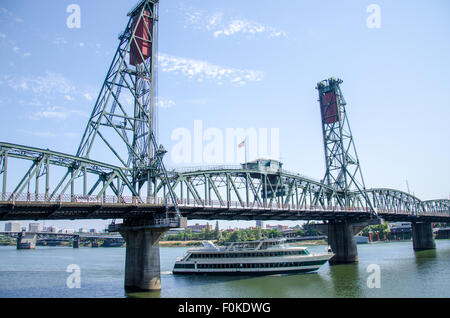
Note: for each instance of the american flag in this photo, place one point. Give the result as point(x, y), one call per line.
point(242, 144)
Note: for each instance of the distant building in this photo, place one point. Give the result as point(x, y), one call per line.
point(260, 224)
point(34, 227)
point(268, 165)
point(12, 227)
point(67, 231)
point(92, 231)
point(197, 228)
point(278, 227)
point(174, 231)
point(400, 227)
point(83, 230)
point(52, 229)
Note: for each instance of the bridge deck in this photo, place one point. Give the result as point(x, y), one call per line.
point(31, 210)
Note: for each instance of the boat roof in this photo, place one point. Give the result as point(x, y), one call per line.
point(264, 244)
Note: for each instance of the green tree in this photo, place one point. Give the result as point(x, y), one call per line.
point(258, 233)
point(217, 234)
point(234, 237)
point(207, 232)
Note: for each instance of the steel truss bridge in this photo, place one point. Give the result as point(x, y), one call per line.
point(214, 193)
point(43, 184)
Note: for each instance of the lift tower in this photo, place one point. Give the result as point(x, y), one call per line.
point(343, 171)
point(125, 106)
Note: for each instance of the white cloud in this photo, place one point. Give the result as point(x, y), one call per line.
point(220, 26)
point(42, 90)
point(55, 112)
point(60, 40)
point(201, 70)
point(88, 96)
point(164, 102)
point(9, 17)
point(41, 134)
point(46, 85)
point(242, 26)
point(2, 35)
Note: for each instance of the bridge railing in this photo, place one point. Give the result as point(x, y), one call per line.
point(12, 198)
point(266, 206)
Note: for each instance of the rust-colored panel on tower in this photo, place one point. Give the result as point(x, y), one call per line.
point(143, 43)
point(330, 108)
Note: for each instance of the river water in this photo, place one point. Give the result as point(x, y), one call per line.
point(403, 273)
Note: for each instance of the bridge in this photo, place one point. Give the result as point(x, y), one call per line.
point(74, 238)
point(134, 185)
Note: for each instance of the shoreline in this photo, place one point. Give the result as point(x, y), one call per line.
point(199, 243)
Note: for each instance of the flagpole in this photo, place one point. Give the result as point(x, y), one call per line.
point(245, 140)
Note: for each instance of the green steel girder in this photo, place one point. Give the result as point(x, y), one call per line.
point(43, 162)
point(245, 186)
point(398, 201)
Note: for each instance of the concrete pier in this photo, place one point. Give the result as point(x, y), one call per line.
point(422, 235)
point(26, 241)
point(76, 241)
point(142, 263)
point(342, 241)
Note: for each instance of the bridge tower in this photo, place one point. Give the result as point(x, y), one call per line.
point(343, 171)
point(342, 164)
point(125, 107)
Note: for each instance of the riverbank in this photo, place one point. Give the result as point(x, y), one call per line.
point(180, 243)
point(199, 243)
point(309, 243)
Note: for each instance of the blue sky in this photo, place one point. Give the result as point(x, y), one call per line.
point(247, 64)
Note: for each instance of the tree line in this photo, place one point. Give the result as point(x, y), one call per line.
point(241, 235)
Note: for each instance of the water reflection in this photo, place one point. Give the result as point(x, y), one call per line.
point(153, 294)
point(346, 280)
point(404, 273)
point(425, 259)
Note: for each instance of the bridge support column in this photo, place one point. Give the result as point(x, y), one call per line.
point(342, 241)
point(142, 263)
point(422, 234)
point(76, 242)
point(26, 241)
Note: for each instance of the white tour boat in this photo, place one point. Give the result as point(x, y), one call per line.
point(269, 256)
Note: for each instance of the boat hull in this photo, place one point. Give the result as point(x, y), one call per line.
point(247, 273)
point(253, 267)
